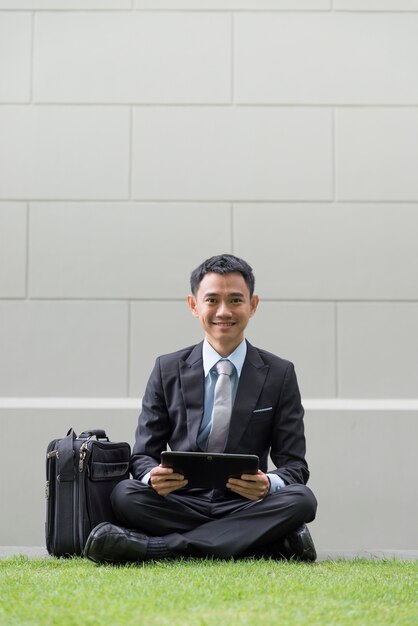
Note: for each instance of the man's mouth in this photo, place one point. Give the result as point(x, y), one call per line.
point(224, 323)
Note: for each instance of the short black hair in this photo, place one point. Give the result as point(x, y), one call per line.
point(223, 264)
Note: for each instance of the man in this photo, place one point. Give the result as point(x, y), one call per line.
point(222, 395)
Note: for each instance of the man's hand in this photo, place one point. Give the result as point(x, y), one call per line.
point(164, 481)
point(250, 486)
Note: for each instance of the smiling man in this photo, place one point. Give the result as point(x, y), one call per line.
point(224, 305)
point(222, 395)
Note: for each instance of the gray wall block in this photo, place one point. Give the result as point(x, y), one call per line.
point(195, 65)
point(12, 250)
point(330, 251)
point(64, 152)
point(158, 328)
point(15, 57)
point(232, 153)
point(363, 473)
point(304, 333)
point(377, 154)
point(378, 350)
point(59, 348)
point(116, 250)
point(350, 59)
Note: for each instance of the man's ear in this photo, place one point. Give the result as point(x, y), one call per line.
point(254, 304)
point(191, 301)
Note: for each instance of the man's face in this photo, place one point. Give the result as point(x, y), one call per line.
point(224, 307)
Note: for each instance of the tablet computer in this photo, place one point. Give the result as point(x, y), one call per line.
point(210, 470)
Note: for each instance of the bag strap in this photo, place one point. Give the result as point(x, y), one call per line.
point(66, 457)
point(98, 433)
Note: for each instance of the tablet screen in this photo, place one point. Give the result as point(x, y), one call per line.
point(210, 470)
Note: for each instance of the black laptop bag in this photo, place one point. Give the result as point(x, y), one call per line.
point(81, 473)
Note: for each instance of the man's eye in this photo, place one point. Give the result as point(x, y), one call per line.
point(236, 300)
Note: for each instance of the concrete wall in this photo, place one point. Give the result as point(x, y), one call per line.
point(139, 137)
point(363, 472)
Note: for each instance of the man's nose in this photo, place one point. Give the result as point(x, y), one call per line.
point(224, 310)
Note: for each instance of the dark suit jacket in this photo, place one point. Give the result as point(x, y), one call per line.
point(267, 415)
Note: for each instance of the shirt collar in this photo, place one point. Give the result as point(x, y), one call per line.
point(211, 357)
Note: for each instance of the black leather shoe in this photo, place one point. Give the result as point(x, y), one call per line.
point(108, 543)
point(297, 545)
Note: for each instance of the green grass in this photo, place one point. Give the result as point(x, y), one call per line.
point(205, 593)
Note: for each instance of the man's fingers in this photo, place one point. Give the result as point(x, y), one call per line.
point(164, 480)
point(250, 486)
point(260, 476)
point(164, 490)
point(161, 471)
point(167, 478)
point(250, 494)
point(160, 474)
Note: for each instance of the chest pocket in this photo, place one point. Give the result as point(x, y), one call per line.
point(262, 414)
point(259, 426)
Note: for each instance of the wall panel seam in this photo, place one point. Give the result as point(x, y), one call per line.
point(27, 248)
point(202, 200)
point(232, 227)
point(63, 11)
point(130, 403)
point(32, 58)
point(128, 347)
point(336, 351)
point(334, 155)
point(377, 11)
point(130, 154)
point(133, 9)
point(54, 298)
point(213, 105)
point(232, 59)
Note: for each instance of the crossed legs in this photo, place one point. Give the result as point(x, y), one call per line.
point(204, 525)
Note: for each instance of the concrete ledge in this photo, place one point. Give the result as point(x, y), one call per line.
point(323, 555)
point(31, 552)
point(378, 555)
point(361, 474)
point(123, 404)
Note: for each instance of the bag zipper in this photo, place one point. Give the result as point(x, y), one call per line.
point(83, 453)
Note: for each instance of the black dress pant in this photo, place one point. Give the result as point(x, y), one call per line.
point(212, 523)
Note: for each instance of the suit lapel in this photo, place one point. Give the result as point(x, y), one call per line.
point(192, 387)
point(251, 382)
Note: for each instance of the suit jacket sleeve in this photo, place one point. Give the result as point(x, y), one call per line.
point(153, 430)
point(288, 439)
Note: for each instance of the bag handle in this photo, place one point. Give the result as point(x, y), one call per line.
point(98, 433)
point(66, 457)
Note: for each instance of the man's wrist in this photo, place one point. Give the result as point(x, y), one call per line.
point(146, 478)
point(276, 483)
